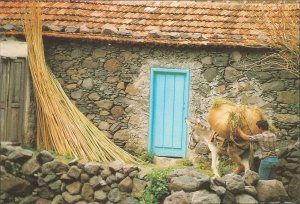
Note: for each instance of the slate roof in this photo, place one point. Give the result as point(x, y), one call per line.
point(161, 22)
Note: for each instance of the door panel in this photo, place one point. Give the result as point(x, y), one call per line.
point(12, 99)
point(159, 105)
point(168, 108)
point(3, 97)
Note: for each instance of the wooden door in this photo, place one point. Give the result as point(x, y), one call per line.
point(168, 109)
point(13, 76)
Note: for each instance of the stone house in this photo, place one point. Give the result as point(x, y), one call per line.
point(138, 69)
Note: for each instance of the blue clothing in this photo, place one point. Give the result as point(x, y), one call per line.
point(267, 165)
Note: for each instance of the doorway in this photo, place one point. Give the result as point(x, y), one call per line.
point(13, 83)
point(168, 110)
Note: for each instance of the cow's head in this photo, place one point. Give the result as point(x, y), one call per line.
point(196, 127)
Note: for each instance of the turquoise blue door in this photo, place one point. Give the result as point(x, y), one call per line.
point(168, 108)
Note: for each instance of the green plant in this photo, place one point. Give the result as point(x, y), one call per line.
point(185, 162)
point(204, 167)
point(147, 157)
point(225, 166)
point(296, 108)
point(157, 188)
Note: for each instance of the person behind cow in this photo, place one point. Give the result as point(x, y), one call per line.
point(267, 143)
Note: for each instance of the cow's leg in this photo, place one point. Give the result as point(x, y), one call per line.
point(214, 158)
point(237, 159)
point(245, 162)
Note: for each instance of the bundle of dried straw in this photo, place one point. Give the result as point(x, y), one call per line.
point(225, 116)
point(61, 126)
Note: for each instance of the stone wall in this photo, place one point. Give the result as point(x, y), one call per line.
point(288, 170)
point(41, 179)
point(109, 83)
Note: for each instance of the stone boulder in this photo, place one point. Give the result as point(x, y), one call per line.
point(114, 195)
point(112, 65)
point(58, 200)
point(228, 198)
point(294, 188)
point(220, 60)
point(74, 188)
point(210, 74)
point(188, 172)
point(29, 200)
point(6, 149)
point(219, 190)
point(20, 155)
point(122, 135)
point(126, 185)
point(100, 196)
point(116, 165)
point(14, 185)
point(179, 197)
point(234, 183)
point(98, 53)
point(106, 104)
point(77, 94)
point(87, 83)
point(251, 190)
point(30, 167)
point(270, 190)
point(87, 192)
point(138, 185)
point(129, 200)
point(131, 90)
point(250, 178)
point(92, 168)
point(43, 201)
point(56, 185)
point(71, 198)
point(185, 183)
point(95, 181)
point(74, 172)
point(245, 199)
point(231, 74)
point(55, 167)
point(204, 196)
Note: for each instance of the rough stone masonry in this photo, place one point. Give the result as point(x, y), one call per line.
point(41, 179)
point(109, 83)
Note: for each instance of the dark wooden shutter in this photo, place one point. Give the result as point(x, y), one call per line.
point(12, 99)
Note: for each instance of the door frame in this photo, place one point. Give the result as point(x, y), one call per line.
point(24, 109)
point(186, 72)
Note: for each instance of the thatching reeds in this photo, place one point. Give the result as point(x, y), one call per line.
point(280, 32)
point(61, 126)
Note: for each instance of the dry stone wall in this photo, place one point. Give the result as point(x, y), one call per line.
point(288, 170)
point(41, 179)
point(110, 84)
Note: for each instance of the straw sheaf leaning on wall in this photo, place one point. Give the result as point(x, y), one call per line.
point(61, 126)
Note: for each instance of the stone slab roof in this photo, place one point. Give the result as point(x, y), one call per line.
point(161, 22)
